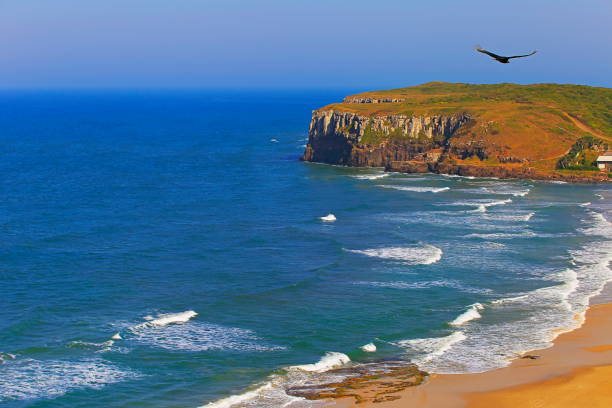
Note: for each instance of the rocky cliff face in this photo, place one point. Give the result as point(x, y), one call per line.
point(416, 144)
point(351, 139)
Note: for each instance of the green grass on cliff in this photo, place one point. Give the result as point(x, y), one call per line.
point(537, 124)
point(590, 105)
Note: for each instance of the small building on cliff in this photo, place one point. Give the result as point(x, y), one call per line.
point(604, 162)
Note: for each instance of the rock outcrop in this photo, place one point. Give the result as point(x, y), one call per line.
point(506, 130)
point(350, 139)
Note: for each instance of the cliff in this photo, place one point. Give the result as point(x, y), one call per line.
point(503, 130)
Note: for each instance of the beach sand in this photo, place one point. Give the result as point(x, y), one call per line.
point(575, 372)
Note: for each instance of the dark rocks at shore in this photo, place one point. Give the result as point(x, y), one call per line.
point(373, 382)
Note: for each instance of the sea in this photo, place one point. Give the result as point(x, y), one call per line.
point(167, 248)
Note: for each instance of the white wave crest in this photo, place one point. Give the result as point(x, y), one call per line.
point(272, 393)
point(329, 361)
point(425, 255)
point(176, 332)
point(598, 225)
point(470, 314)
point(368, 348)
point(419, 189)
point(238, 399)
point(165, 319)
point(430, 348)
point(370, 176)
point(328, 218)
point(35, 379)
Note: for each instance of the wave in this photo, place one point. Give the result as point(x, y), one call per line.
point(585, 204)
point(175, 332)
point(166, 319)
point(456, 176)
point(329, 361)
point(370, 176)
point(418, 189)
point(505, 217)
point(597, 225)
point(430, 348)
point(235, 400)
point(481, 205)
point(272, 393)
point(85, 344)
point(506, 189)
point(425, 285)
point(424, 255)
point(30, 379)
point(539, 316)
point(368, 348)
point(470, 314)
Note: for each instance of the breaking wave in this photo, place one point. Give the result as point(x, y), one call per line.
point(175, 332)
point(272, 393)
point(430, 348)
point(424, 255)
point(370, 176)
point(470, 314)
point(326, 363)
point(481, 205)
point(418, 189)
point(539, 316)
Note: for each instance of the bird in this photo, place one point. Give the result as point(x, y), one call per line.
point(503, 60)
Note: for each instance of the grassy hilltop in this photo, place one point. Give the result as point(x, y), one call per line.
point(553, 127)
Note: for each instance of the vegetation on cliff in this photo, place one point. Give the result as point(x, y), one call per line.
point(583, 154)
point(545, 128)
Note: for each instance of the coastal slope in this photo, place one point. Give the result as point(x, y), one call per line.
point(542, 131)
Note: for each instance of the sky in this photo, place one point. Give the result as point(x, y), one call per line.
point(300, 44)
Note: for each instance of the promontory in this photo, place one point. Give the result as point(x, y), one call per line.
point(539, 131)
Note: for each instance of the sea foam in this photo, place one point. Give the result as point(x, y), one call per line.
point(175, 331)
point(539, 316)
point(29, 379)
point(418, 189)
point(272, 393)
point(429, 348)
point(376, 176)
point(470, 314)
point(423, 255)
point(329, 361)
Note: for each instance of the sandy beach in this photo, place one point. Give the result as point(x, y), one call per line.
point(575, 372)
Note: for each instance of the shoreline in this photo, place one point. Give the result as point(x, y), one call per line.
point(576, 371)
point(481, 172)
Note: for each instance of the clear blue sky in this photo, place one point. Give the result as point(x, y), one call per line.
point(295, 43)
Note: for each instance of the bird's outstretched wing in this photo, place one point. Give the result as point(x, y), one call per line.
point(521, 56)
point(488, 53)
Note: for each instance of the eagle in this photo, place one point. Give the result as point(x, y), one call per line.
point(503, 60)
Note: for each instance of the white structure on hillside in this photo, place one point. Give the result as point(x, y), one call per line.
point(604, 162)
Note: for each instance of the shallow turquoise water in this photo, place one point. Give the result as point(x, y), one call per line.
point(122, 207)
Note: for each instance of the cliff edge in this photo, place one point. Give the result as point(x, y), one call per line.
point(542, 131)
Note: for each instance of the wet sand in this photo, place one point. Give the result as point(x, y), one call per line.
point(575, 372)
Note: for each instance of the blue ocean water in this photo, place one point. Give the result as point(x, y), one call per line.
point(165, 249)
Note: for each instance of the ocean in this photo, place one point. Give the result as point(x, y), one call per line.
point(166, 249)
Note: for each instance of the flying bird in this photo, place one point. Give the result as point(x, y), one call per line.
point(503, 60)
